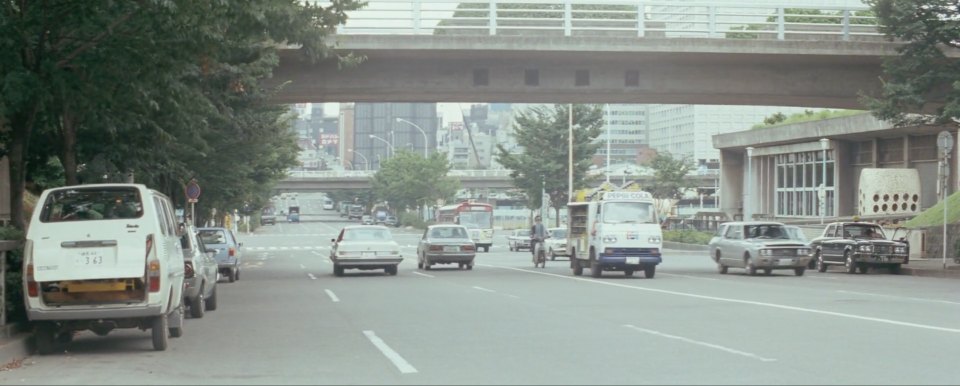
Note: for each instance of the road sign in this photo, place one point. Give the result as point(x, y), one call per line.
point(192, 191)
point(945, 141)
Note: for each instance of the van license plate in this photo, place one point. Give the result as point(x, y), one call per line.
point(633, 260)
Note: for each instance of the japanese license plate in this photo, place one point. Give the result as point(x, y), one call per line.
point(451, 248)
point(785, 262)
point(92, 256)
point(633, 260)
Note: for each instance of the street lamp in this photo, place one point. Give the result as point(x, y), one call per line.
point(366, 164)
point(389, 146)
point(824, 145)
point(425, 141)
point(747, 212)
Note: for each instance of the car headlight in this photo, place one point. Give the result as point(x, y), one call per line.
point(654, 240)
point(609, 239)
point(865, 248)
point(899, 249)
point(766, 252)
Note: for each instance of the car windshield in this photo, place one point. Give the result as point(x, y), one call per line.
point(367, 234)
point(524, 232)
point(795, 233)
point(628, 212)
point(766, 231)
point(212, 236)
point(863, 231)
point(448, 233)
point(558, 233)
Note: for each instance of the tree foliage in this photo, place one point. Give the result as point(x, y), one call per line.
point(925, 77)
point(669, 176)
point(542, 132)
point(408, 180)
point(167, 90)
point(800, 16)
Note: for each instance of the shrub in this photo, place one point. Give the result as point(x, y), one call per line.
point(13, 281)
point(688, 237)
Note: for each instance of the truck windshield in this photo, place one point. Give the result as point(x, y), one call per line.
point(628, 212)
point(476, 220)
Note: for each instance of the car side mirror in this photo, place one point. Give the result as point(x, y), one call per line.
point(239, 244)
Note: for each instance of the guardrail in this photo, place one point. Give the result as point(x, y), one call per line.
point(369, 173)
point(638, 18)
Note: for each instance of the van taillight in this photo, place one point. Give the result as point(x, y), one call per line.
point(188, 271)
point(153, 275)
point(231, 251)
point(153, 268)
point(33, 289)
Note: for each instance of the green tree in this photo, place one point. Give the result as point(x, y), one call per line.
point(923, 78)
point(800, 16)
point(151, 87)
point(408, 180)
point(669, 176)
point(543, 165)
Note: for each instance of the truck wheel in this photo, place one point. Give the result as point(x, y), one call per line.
point(391, 270)
point(577, 268)
point(231, 277)
point(595, 269)
point(649, 271)
point(821, 265)
point(212, 302)
point(848, 262)
point(628, 272)
point(198, 306)
point(799, 271)
point(176, 332)
point(44, 335)
point(158, 329)
point(337, 270)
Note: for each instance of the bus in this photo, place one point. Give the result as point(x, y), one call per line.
point(476, 217)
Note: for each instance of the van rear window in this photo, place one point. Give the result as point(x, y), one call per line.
point(212, 236)
point(83, 204)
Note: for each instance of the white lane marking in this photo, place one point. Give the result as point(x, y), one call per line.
point(483, 289)
point(513, 296)
point(397, 360)
point(821, 277)
point(332, 295)
point(422, 274)
point(317, 253)
point(740, 301)
point(687, 276)
point(311, 276)
point(899, 297)
point(705, 344)
point(303, 266)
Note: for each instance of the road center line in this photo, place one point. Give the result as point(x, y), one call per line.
point(311, 276)
point(332, 296)
point(397, 360)
point(899, 297)
point(483, 289)
point(740, 301)
point(705, 344)
point(422, 274)
point(687, 276)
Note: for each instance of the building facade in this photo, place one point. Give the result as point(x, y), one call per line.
point(380, 129)
point(777, 172)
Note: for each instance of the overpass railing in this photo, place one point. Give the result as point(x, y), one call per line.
point(494, 173)
point(758, 19)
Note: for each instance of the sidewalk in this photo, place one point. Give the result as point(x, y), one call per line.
point(19, 344)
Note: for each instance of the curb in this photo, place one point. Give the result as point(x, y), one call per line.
point(940, 273)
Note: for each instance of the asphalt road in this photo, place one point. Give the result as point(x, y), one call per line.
point(290, 321)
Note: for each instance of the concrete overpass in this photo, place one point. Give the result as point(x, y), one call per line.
point(331, 180)
point(571, 59)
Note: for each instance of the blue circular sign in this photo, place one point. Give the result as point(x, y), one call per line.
point(193, 190)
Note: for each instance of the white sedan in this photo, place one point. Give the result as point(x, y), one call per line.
point(365, 247)
point(556, 243)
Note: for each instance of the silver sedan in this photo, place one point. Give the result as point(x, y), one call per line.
point(446, 244)
point(758, 245)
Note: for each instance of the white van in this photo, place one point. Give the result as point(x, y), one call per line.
point(100, 257)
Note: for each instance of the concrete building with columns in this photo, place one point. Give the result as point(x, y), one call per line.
point(775, 172)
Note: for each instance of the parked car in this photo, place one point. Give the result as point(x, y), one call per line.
point(201, 272)
point(99, 257)
point(519, 239)
point(268, 216)
point(227, 247)
point(392, 221)
point(556, 243)
point(857, 246)
point(366, 220)
point(446, 244)
point(757, 245)
point(365, 247)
